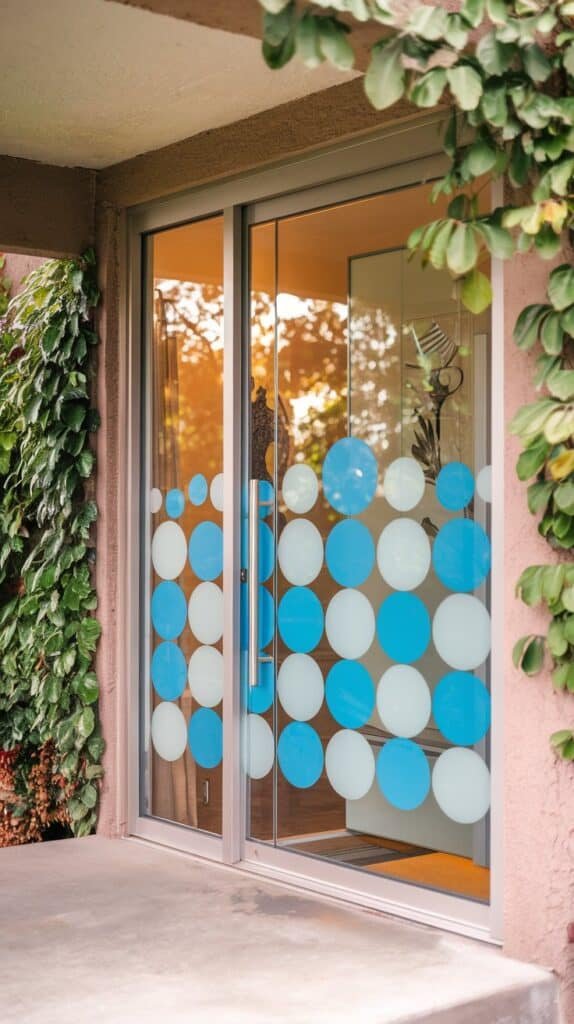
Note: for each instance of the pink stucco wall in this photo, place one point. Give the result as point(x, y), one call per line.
point(18, 266)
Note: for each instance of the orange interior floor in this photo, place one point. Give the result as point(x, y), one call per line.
point(441, 871)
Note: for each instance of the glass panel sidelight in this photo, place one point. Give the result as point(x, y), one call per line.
point(183, 604)
point(367, 738)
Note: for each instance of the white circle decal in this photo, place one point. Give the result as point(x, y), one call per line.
point(300, 552)
point(300, 687)
point(350, 764)
point(300, 488)
point(260, 747)
point(169, 550)
point(205, 676)
point(168, 731)
point(403, 701)
point(216, 492)
point(155, 499)
point(205, 613)
point(350, 623)
point(461, 631)
point(461, 785)
point(403, 554)
point(484, 483)
point(404, 484)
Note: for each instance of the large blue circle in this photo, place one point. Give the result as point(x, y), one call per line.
point(206, 550)
point(197, 489)
point(350, 476)
point(168, 671)
point(461, 708)
point(403, 627)
point(350, 694)
point(455, 486)
point(168, 610)
point(300, 619)
point(300, 755)
point(205, 734)
point(461, 555)
point(403, 774)
point(266, 552)
point(260, 697)
point(174, 503)
point(350, 553)
point(266, 617)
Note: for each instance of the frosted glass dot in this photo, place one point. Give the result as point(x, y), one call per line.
point(205, 613)
point(404, 484)
point(350, 764)
point(300, 687)
point(300, 488)
point(403, 701)
point(205, 676)
point(260, 747)
point(300, 552)
point(169, 550)
point(461, 631)
point(155, 499)
point(350, 623)
point(216, 492)
point(168, 731)
point(461, 785)
point(403, 554)
point(484, 483)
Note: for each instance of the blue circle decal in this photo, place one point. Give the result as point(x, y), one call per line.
point(461, 708)
point(403, 627)
point(168, 610)
point(403, 774)
point(260, 697)
point(168, 671)
point(205, 735)
point(206, 551)
point(350, 694)
point(174, 503)
point(455, 486)
point(300, 619)
point(350, 553)
point(266, 498)
point(350, 476)
point(266, 552)
point(266, 617)
point(300, 755)
point(461, 555)
point(197, 489)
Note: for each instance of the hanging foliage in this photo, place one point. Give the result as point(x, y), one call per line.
point(505, 70)
point(48, 689)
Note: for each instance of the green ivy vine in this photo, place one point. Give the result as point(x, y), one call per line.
point(48, 635)
point(505, 71)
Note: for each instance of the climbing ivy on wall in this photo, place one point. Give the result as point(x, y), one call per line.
point(50, 742)
point(505, 71)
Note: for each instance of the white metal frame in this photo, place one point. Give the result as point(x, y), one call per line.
point(393, 159)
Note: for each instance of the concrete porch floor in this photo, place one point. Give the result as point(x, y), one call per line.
point(118, 931)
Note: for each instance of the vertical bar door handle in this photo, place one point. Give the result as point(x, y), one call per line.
point(253, 582)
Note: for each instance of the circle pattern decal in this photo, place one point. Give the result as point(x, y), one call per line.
point(205, 613)
point(350, 553)
point(300, 619)
point(168, 671)
point(404, 484)
point(484, 483)
point(461, 785)
point(206, 551)
point(168, 550)
point(461, 555)
point(205, 736)
point(403, 627)
point(155, 500)
point(350, 476)
point(403, 554)
point(454, 486)
point(461, 631)
point(350, 694)
point(350, 623)
point(461, 708)
point(403, 701)
point(266, 552)
point(260, 697)
point(300, 755)
point(216, 492)
point(260, 747)
point(300, 488)
point(197, 489)
point(350, 764)
point(300, 687)
point(300, 552)
point(168, 610)
point(403, 774)
point(174, 503)
point(205, 676)
point(168, 731)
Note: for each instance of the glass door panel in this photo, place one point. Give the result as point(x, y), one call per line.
point(368, 743)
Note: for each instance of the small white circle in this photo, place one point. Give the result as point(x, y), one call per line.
point(403, 701)
point(168, 731)
point(155, 499)
point(205, 613)
point(300, 687)
point(169, 550)
point(300, 552)
point(404, 483)
point(461, 631)
point(403, 554)
point(205, 676)
point(300, 488)
point(350, 623)
point(484, 483)
point(260, 747)
point(216, 492)
point(350, 764)
point(461, 785)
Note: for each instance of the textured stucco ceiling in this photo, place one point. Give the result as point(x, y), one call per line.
point(89, 83)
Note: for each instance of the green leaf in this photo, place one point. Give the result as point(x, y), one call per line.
point(476, 292)
point(334, 44)
point(532, 459)
point(497, 11)
point(480, 158)
point(466, 86)
point(539, 495)
point(528, 325)
point(385, 77)
point(495, 57)
point(274, 6)
point(561, 287)
point(564, 497)
point(556, 641)
point(472, 11)
point(551, 334)
point(429, 88)
point(462, 251)
point(498, 240)
point(536, 63)
point(85, 723)
point(547, 242)
point(278, 56)
point(437, 251)
point(307, 41)
point(494, 106)
point(533, 657)
point(89, 795)
point(428, 22)
point(276, 27)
